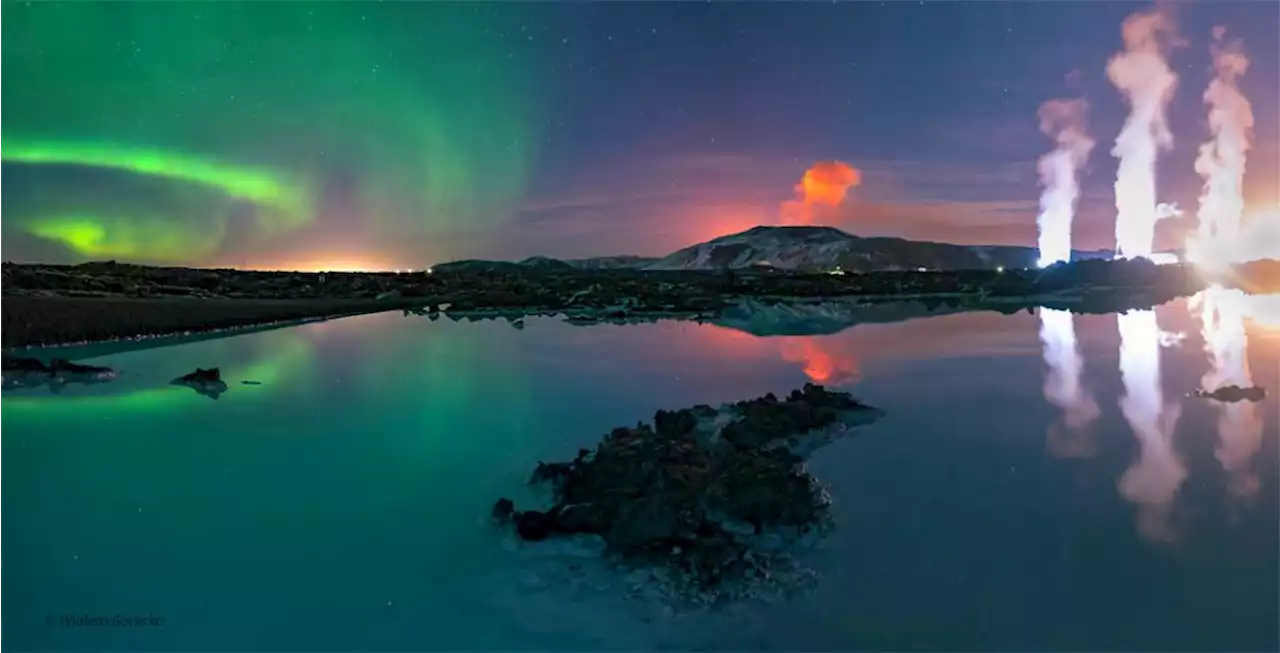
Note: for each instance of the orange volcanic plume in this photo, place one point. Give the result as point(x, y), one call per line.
point(823, 187)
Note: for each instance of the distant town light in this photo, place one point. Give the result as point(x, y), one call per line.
point(430, 270)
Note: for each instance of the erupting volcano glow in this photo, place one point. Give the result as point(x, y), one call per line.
point(1152, 481)
point(1222, 159)
point(1142, 74)
point(823, 186)
point(1063, 387)
point(1064, 121)
point(1222, 315)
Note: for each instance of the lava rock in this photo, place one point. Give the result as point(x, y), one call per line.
point(207, 382)
point(533, 525)
point(503, 509)
point(689, 494)
point(1234, 393)
point(22, 372)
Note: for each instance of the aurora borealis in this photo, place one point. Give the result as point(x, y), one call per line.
point(290, 110)
point(402, 134)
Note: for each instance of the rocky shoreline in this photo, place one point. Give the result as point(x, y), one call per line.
point(47, 321)
point(46, 305)
point(709, 500)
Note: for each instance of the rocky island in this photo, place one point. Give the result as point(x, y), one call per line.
point(708, 499)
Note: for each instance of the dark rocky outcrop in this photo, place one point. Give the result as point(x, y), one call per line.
point(207, 382)
point(697, 490)
point(1233, 394)
point(20, 372)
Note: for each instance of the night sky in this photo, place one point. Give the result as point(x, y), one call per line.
point(394, 135)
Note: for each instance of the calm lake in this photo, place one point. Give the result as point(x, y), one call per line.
point(1039, 482)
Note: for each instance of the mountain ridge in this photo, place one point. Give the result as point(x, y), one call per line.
point(807, 249)
point(817, 248)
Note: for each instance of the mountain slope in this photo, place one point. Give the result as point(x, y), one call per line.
point(827, 248)
point(627, 261)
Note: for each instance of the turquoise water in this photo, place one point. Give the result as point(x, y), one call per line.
point(1017, 496)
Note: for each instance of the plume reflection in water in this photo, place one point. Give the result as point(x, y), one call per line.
point(1222, 316)
point(1152, 481)
point(1069, 436)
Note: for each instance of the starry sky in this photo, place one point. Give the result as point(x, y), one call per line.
point(307, 135)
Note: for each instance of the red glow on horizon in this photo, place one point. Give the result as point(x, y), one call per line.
point(710, 223)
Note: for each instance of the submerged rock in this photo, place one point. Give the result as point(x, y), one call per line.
point(1234, 393)
point(707, 494)
point(206, 382)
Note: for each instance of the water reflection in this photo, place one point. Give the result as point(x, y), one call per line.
point(1152, 481)
point(276, 359)
point(1069, 436)
point(1222, 316)
point(413, 427)
point(826, 361)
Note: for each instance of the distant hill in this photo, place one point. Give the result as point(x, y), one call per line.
point(808, 249)
point(827, 248)
point(630, 262)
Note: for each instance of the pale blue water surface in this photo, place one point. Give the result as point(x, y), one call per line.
point(1016, 496)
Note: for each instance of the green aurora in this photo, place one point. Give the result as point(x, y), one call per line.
point(411, 109)
point(130, 237)
point(256, 186)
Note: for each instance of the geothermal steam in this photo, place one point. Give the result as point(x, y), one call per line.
point(1221, 160)
point(1063, 121)
point(1142, 74)
point(823, 188)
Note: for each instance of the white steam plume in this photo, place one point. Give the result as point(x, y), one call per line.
point(1221, 161)
point(1142, 74)
point(1063, 121)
